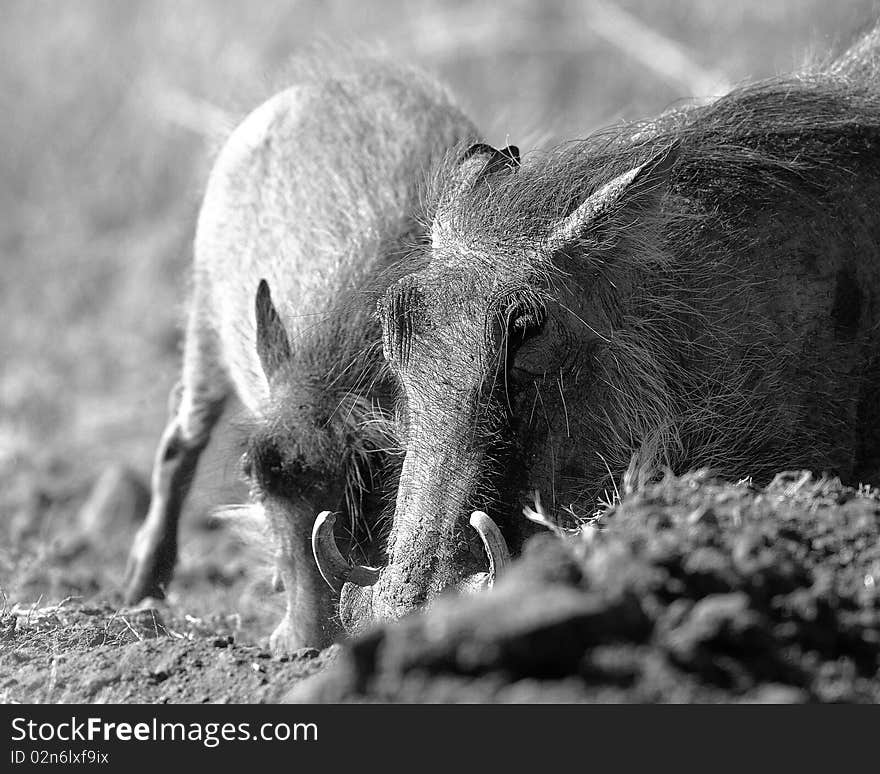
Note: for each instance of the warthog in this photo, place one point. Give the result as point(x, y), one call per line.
point(309, 207)
point(702, 290)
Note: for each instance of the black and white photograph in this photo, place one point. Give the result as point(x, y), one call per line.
point(371, 353)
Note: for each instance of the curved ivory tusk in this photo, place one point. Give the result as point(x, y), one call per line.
point(331, 564)
point(493, 542)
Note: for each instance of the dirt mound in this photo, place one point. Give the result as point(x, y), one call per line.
point(692, 590)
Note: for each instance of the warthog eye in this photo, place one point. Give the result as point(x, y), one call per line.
point(522, 329)
point(266, 467)
point(530, 356)
point(279, 467)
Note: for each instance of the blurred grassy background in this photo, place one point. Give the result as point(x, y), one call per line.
point(107, 109)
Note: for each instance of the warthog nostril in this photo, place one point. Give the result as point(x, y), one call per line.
point(493, 542)
point(331, 564)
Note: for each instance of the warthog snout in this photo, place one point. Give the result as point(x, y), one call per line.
point(383, 599)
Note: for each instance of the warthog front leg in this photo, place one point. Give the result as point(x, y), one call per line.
point(154, 551)
point(194, 406)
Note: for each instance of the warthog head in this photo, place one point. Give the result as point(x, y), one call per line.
point(487, 343)
point(318, 445)
point(694, 292)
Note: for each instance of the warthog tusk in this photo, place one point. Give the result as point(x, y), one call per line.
point(493, 542)
point(331, 564)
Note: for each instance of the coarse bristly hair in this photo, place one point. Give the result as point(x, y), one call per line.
point(329, 415)
point(326, 422)
point(674, 398)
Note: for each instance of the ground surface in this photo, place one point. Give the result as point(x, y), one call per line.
point(688, 591)
point(112, 112)
point(73, 653)
point(691, 590)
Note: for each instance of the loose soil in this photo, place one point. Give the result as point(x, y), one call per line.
point(690, 590)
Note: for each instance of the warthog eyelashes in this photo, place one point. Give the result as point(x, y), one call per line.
point(527, 318)
point(518, 314)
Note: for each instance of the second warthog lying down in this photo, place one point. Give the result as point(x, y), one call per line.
point(698, 291)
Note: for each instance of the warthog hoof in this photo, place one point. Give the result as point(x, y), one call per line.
point(149, 569)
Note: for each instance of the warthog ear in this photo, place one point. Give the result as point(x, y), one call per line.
point(273, 347)
point(646, 180)
point(476, 164)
